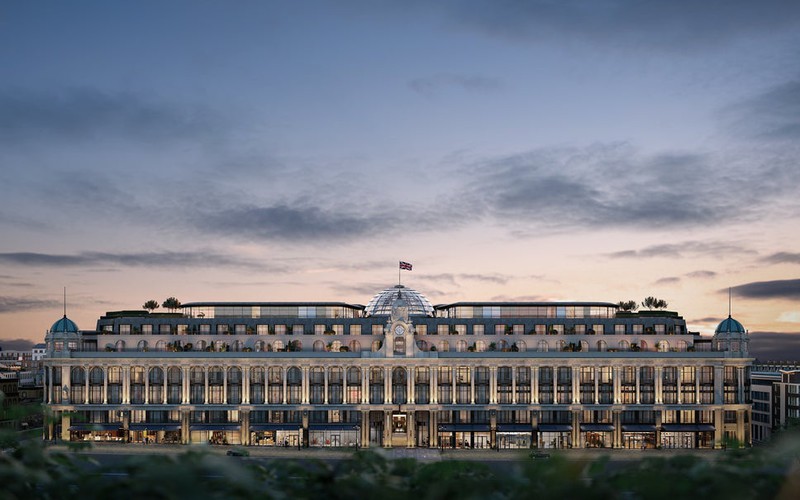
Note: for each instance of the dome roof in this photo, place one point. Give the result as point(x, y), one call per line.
point(729, 326)
point(381, 303)
point(64, 325)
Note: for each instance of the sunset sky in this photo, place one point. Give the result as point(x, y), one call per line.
point(510, 150)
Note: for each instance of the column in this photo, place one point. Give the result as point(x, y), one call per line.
point(697, 385)
point(617, 421)
point(305, 383)
point(493, 429)
point(325, 385)
point(658, 427)
point(719, 428)
point(576, 429)
point(472, 385)
point(719, 377)
point(164, 390)
point(245, 427)
point(86, 390)
point(740, 428)
point(387, 429)
point(364, 429)
point(285, 376)
point(411, 430)
point(597, 385)
point(638, 383)
point(48, 397)
point(535, 385)
point(513, 385)
point(246, 374)
point(576, 380)
point(680, 384)
point(493, 385)
point(740, 382)
point(65, 423)
point(225, 385)
point(410, 395)
point(147, 385)
point(616, 382)
point(105, 384)
point(659, 385)
point(433, 429)
point(454, 380)
point(185, 384)
point(387, 385)
point(434, 386)
point(205, 396)
point(365, 385)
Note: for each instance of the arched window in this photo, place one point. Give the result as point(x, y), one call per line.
point(234, 375)
point(237, 346)
point(119, 345)
point(422, 345)
point(682, 345)
point(400, 345)
point(542, 346)
point(521, 346)
point(96, 376)
point(663, 346)
point(174, 376)
point(277, 345)
point(319, 346)
point(376, 345)
point(602, 346)
point(355, 346)
point(259, 346)
point(480, 346)
point(461, 346)
point(336, 345)
point(294, 376)
point(161, 346)
point(200, 345)
point(643, 345)
point(584, 346)
point(142, 345)
point(444, 346)
point(156, 375)
point(624, 345)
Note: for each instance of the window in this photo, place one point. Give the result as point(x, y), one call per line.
point(377, 329)
point(124, 329)
point(240, 329)
point(477, 329)
point(580, 329)
point(319, 329)
point(262, 329)
point(147, 329)
point(205, 329)
point(660, 329)
point(518, 329)
point(499, 329)
point(422, 329)
point(164, 329)
point(355, 329)
point(442, 330)
point(296, 330)
point(222, 329)
point(598, 329)
point(638, 329)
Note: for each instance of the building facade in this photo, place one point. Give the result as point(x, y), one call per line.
point(400, 372)
point(776, 398)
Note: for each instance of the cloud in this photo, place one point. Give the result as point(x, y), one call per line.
point(773, 114)
point(685, 249)
point(782, 258)
point(707, 319)
point(86, 113)
point(702, 274)
point(146, 259)
point(16, 345)
point(453, 279)
point(297, 223)
point(19, 304)
point(611, 186)
point(434, 84)
point(669, 26)
point(775, 346)
point(777, 289)
point(789, 317)
point(670, 280)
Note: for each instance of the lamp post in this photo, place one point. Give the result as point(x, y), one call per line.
point(358, 436)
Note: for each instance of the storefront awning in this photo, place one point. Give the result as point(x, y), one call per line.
point(275, 427)
point(464, 428)
point(688, 427)
point(214, 427)
point(554, 427)
point(638, 428)
point(96, 427)
point(154, 427)
point(332, 427)
point(597, 427)
point(514, 428)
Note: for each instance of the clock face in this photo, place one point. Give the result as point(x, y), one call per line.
point(399, 330)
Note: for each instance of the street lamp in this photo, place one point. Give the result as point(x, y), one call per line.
point(358, 435)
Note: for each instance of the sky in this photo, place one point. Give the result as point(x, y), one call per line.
point(295, 151)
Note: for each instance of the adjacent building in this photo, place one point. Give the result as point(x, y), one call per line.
point(400, 372)
point(776, 398)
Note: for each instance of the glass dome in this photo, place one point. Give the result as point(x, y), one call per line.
point(729, 326)
point(381, 303)
point(64, 325)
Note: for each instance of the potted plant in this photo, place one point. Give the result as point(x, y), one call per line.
point(433, 348)
point(492, 346)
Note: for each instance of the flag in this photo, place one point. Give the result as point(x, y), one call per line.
point(406, 266)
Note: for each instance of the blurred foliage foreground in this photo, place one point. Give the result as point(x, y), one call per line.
point(29, 470)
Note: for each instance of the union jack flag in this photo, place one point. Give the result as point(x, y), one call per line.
point(406, 266)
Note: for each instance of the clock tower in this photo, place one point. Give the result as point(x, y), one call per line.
point(399, 341)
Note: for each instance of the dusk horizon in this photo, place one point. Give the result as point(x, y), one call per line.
point(511, 151)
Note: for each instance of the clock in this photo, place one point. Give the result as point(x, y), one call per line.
point(399, 330)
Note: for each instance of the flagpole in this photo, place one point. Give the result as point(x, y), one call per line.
point(398, 274)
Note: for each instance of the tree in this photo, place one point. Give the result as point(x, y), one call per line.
point(629, 305)
point(172, 304)
point(150, 305)
point(654, 303)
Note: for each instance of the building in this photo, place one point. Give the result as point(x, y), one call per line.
point(400, 372)
point(776, 398)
